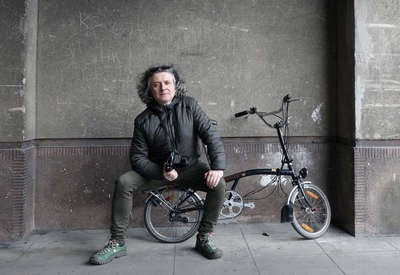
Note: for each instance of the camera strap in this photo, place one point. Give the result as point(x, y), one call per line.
point(173, 140)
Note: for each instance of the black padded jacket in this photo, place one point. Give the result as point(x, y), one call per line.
point(151, 143)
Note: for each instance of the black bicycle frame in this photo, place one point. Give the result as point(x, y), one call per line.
point(284, 172)
point(277, 172)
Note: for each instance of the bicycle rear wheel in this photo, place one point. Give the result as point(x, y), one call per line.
point(175, 216)
point(310, 222)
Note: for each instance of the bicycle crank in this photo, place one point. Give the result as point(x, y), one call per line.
point(233, 205)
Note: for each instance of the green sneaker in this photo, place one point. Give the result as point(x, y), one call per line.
point(111, 250)
point(205, 245)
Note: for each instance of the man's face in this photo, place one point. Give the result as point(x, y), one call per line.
point(162, 87)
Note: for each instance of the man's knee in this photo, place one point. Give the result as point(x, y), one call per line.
point(127, 182)
point(121, 187)
point(122, 182)
point(131, 181)
point(220, 188)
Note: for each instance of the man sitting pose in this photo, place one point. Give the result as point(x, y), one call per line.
point(171, 121)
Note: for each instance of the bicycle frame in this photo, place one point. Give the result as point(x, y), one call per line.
point(175, 211)
point(284, 172)
point(290, 171)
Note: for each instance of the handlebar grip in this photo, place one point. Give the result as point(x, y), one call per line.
point(242, 113)
point(287, 98)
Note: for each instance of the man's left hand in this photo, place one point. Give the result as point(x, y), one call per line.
point(212, 177)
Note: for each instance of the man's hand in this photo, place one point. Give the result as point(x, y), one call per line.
point(173, 175)
point(212, 177)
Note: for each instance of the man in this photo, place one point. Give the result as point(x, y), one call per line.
point(171, 121)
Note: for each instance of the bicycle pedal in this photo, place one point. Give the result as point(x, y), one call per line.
point(250, 205)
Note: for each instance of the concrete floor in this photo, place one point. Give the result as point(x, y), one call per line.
point(246, 251)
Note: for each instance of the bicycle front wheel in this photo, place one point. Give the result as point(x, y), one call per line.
point(173, 217)
point(310, 222)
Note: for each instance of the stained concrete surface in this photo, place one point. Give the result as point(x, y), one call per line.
point(246, 251)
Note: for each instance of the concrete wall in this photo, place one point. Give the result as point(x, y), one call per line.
point(17, 162)
point(68, 72)
point(235, 54)
point(345, 115)
point(368, 132)
point(377, 131)
point(377, 70)
point(81, 59)
point(12, 70)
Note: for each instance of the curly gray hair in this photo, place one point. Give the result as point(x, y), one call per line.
point(143, 83)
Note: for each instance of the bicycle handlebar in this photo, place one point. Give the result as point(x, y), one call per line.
point(242, 113)
point(247, 112)
point(253, 110)
point(287, 98)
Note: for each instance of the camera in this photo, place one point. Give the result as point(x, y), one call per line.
point(176, 160)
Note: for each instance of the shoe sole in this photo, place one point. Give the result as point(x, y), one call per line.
point(208, 256)
point(96, 261)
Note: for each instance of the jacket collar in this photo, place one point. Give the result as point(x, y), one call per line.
point(163, 108)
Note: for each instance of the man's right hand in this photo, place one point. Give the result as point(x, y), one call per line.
point(170, 176)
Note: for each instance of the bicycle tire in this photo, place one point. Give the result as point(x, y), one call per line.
point(157, 216)
point(310, 223)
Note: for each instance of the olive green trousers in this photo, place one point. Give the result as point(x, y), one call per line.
point(193, 178)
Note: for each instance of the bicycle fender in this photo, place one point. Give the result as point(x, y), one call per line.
point(289, 197)
point(287, 209)
point(287, 213)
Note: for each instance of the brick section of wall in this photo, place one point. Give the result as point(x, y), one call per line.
point(19, 193)
point(83, 151)
point(75, 179)
point(6, 171)
point(16, 194)
point(78, 180)
point(377, 190)
point(359, 192)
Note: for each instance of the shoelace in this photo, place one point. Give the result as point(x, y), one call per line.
point(208, 241)
point(108, 246)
